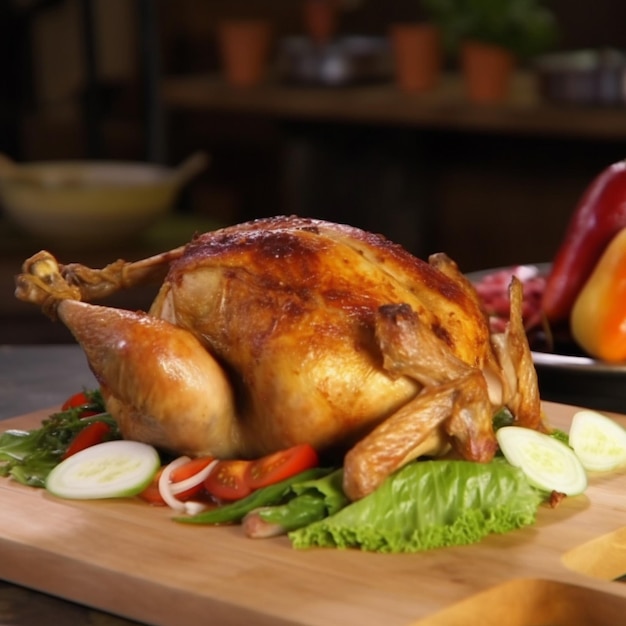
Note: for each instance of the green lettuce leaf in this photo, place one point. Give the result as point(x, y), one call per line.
point(427, 505)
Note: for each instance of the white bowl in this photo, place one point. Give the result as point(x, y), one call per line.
point(87, 204)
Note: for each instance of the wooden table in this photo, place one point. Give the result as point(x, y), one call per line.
point(301, 588)
point(130, 559)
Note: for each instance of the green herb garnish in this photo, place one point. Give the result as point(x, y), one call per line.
point(28, 456)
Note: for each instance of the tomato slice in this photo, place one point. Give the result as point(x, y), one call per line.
point(235, 479)
point(92, 434)
point(152, 494)
point(189, 469)
point(79, 400)
point(228, 480)
point(280, 465)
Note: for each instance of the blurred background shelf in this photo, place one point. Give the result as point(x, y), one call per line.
point(490, 185)
point(443, 108)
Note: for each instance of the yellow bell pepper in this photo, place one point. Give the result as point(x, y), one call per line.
point(598, 318)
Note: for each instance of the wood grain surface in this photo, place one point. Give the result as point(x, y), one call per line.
point(131, 559)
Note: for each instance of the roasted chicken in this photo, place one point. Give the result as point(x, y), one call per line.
point(287, 330)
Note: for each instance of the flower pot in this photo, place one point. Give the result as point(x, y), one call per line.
point(320, 19)
point(244, 47)
point(417, 54)
point(487, 71)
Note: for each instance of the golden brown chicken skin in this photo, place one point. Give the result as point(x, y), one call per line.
point(292, 318)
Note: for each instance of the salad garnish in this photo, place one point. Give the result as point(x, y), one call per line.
point(426, 504)
point(29, 456)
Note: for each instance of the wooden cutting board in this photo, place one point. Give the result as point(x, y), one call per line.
point(131, 559)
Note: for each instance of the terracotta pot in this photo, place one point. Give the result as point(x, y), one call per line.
point(244, 47)
point(320, 19)
point(487, 71)
point(417, 53)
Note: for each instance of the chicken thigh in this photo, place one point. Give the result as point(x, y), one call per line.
point(288, 330)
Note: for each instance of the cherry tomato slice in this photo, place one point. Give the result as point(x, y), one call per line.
point(228, 480)
point(189, 469)
point(79, 400)
point(152, 494)
point(91, 435)
point(280, 465)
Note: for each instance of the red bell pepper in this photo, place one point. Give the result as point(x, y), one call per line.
point(599, 216)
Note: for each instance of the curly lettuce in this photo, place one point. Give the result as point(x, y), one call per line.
point(427, 505)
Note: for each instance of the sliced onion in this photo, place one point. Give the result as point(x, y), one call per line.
point(193, 508)
point(169, 490)
point(194, 480)
point(165, 489)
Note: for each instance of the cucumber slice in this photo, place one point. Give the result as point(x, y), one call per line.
point(598, 441)
point(114, 469)
point(548, 463)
